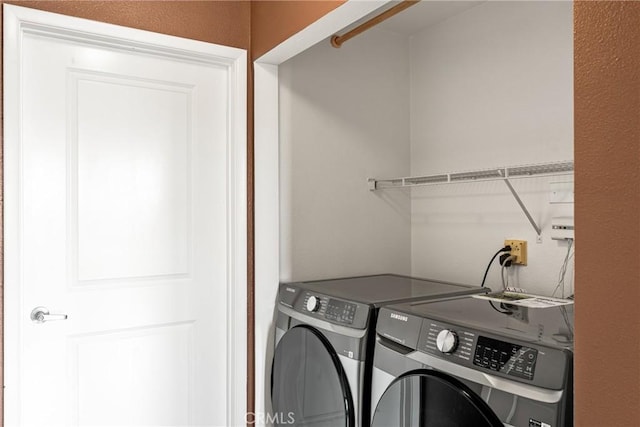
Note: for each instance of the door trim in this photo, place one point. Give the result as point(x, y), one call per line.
point(21, 20)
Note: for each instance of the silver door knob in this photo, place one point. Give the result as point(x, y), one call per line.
point(41, 315)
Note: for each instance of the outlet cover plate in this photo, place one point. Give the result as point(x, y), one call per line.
point(519, 250)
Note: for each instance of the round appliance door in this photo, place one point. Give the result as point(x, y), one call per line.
point(308, 383)
point(427, 398)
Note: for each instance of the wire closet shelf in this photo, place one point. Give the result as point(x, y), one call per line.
point(500, 173)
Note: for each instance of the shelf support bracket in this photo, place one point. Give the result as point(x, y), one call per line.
point(522, 206)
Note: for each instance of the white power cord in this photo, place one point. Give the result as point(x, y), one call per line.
point(563, 269)
point(505, 283)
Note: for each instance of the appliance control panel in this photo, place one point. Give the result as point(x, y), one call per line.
point(325, 307)
point(340, 311)
point(501, 356)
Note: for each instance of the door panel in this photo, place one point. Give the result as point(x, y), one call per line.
point(123, 364)
point(124, 200)
point(133, 161)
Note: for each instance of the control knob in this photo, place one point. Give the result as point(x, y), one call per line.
point(313, 304)
point(447, 341)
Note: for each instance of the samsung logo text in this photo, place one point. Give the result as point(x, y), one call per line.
point(399, 317)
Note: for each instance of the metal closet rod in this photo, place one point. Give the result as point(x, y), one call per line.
point(336, 40)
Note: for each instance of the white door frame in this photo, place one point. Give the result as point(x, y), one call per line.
point(272, 254)
point(20, 20)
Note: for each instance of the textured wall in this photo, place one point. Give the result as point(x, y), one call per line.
point(607, 154)
point(222, 22)
point(272, 22)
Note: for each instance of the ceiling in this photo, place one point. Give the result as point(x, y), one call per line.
point(423, 15)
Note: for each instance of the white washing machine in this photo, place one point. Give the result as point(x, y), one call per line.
point(325, 332)
point(467, 363)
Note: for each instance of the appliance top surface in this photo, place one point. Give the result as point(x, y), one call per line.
point(549, 326)
point(387, 288)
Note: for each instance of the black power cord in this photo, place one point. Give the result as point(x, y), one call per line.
point(504, 249)
point(504, 260)
point(499, 311)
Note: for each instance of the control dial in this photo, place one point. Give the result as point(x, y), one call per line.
point(313, 304)
point(447, 341)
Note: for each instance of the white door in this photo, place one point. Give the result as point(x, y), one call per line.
point(124, 198)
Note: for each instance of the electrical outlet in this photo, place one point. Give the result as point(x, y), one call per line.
point(518, 250)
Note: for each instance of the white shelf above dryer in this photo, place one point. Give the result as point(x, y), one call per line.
point(500, 173)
